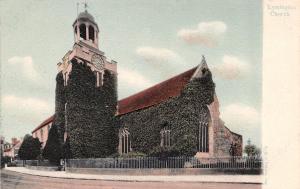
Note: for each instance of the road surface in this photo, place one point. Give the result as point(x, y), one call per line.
point(13, 180)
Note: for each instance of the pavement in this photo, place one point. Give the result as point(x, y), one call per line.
point(242, 179)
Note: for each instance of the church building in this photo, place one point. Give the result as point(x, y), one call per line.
point(179, 116)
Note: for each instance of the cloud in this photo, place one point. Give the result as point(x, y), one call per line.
point(25, 109)
point(156, 55)
point(207, 33)
point(240, 115)
point(133, 79)
point(26, 65)
point(231, 68)
point(244, 120)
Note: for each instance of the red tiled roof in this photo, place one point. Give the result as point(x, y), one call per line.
point(44, 123)
point(155, 94)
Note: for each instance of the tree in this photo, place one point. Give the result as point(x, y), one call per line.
point(30, 149)
point(252, 150)
point(53, 148)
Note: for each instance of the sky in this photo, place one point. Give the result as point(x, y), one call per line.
point(151, 41)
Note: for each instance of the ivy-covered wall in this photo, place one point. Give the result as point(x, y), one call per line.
point(60, 100)
point(181, 114)
point(90, 112)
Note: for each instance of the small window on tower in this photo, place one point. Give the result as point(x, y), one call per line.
point(82, 29)
point(91, 33)
point(99, 79)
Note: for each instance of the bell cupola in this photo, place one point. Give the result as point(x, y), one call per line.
point(86, 29)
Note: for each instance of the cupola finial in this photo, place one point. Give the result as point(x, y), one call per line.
point(85, 6)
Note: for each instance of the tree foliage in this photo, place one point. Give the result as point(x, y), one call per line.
point(30, 148)
point(252, 150)
point(53, 148)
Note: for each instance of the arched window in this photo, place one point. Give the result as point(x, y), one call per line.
point(125, 141)
point(165, 136)
point(203, 141)
point(91, 33)
point(82, 29)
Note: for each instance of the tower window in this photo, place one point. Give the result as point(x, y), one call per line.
point(203, 137)
point(99, 79)
point(165, 137)
point(82, 29)
point(91, 33)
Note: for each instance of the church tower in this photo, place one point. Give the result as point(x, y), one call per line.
point(86, 94)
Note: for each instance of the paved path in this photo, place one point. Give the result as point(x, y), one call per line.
point(14, 180)
point(255, 179)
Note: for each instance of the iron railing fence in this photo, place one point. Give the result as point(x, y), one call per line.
point(22, 163)
point(169, 162)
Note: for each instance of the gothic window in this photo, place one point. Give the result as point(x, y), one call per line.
point(203, 136)
point(82, 29)
point(165, 137)
point(125, 141)
point(91, 33)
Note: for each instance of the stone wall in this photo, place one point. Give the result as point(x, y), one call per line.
point(181, 114)
point(224, 138)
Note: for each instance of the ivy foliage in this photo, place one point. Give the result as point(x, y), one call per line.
point(53, 148)
point(90, 113)
point(181, 114)
point(30, 148)
point(60, 101)
point(67, 154)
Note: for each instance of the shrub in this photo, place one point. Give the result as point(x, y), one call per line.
point(53, 149)
point(30, 149)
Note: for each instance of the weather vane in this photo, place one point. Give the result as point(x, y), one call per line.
point(85, 6)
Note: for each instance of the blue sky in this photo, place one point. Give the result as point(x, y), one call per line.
point(150, 40)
